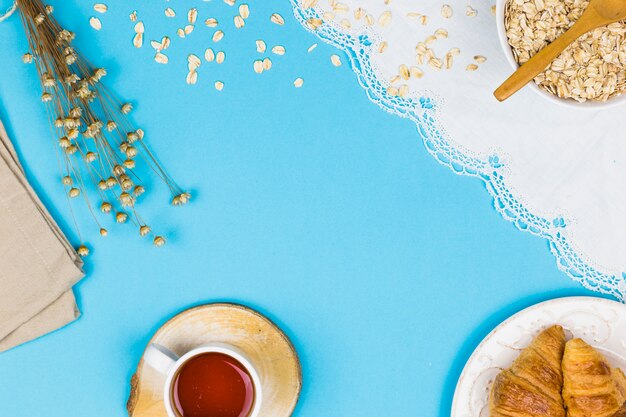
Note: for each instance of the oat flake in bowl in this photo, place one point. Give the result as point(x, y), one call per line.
point(593, 68)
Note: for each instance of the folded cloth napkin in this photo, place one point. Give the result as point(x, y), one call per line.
point(38, 266)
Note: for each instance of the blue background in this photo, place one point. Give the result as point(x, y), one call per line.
point(311, 205)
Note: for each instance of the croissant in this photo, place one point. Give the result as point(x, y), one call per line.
point(532, 386)
point(591, 388)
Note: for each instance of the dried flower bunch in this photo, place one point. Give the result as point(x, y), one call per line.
point(591, 68)
point(98, 147)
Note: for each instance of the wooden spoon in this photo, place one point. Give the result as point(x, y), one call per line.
point(598, 13)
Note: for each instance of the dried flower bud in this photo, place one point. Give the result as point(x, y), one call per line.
point(131, 151)
point(45, 97)
point(74, 192)
point(127, 108)
point(129, 163)
point(106, 207)
point(111, 125)
point(126, 199)
point(121, 217)
point(64, 142)
point(139, 190)
point(123, 146)
point(76, 112)
point(127, 184)
point(70, 59)
point(49, 9)
point(71, 79)
point(66, 180)
point(103, 232)
point(99, 73)
point(47, 80)
point(111, 182)
point(102, 184)
point(39, 19)
point(58, 122)
point(66, 35)
point(27, 58)
point(72, 149)
point(144, 230)
point(140, 133)
point(181, 199)
point(72, 133)
point(159, 241)
point(90, 157)
point(82, 250)
point(132, 137)
point(118, 169)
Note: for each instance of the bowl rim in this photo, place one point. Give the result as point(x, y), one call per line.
point(569, 103)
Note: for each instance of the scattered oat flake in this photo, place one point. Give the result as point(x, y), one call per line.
point(100, 7)
point(138, 40)
point(480, 59)
point(314, 23)
point(267, 64)
point(307, 4)
point(260, 46)
point(335, 60)
point(161, 58)
point(471, 67)
point(493, 9)
point(211, 22)
point(244, 11)
point(239, 22)
point(312, 47)
point(192, 15)
point(219, 86)
point(139, 27)
point(470, 11)
point(382, 47)
point(277, 18)
point(193, 61)
point(446, 11)
point(384, 19)
point(192, 77)
point(258, 66)
point(220, 57)
point(218, 36)
point(133, 16)
point(95, 23)
point(298, 82)
point(180, 32)
point(279, 50)
point(169, 12)
point(188, 29)
point(230, 2)
point(209, 55)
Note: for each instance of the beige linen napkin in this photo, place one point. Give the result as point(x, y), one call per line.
point(38, 266)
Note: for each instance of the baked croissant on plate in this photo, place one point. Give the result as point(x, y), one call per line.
point(532, 386)
point(591, 388)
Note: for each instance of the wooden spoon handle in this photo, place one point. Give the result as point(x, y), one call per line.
point(540, 61)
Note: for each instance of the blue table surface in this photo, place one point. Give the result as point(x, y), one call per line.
point(310, 205)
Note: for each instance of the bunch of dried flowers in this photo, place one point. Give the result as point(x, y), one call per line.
point(98, 147)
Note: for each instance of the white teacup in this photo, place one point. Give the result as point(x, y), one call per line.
point(168, 363)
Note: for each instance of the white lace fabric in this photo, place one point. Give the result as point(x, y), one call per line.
point(554, 171)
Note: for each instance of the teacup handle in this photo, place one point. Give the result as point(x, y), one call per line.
point(160, 358)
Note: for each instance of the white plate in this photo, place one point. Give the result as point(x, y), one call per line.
point(599, 322)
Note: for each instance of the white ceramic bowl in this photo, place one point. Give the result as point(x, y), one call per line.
point(570, 103)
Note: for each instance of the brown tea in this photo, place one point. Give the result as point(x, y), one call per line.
point(213, 385)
